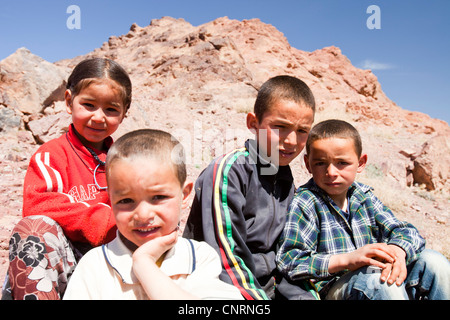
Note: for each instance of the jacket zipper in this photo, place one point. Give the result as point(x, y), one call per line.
point(273, 215)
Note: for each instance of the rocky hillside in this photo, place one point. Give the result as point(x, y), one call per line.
point(199, 83)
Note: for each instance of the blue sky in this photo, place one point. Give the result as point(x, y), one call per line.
point(409, 54)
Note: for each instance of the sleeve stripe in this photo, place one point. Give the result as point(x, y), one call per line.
point(227, 247)
point(58, 180)
point(46, 175)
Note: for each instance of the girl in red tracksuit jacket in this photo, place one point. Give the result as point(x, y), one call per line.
point(66, 208)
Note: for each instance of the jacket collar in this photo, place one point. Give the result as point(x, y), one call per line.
point(357, 190)
point(81, 149)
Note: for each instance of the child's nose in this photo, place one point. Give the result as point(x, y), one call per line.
point(98, 115)
point(143, 213)
point(291, 139)
point(331, 170)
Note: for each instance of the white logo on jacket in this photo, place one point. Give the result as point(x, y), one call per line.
point(80, 193)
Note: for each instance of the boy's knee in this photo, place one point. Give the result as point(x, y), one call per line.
point(434, 260)
point(433, 263)
point(429, 276)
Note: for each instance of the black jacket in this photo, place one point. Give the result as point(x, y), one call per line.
point(240, 209)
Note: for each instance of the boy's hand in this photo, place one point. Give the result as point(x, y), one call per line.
point(396, 271)
point(375, 254)
point(156, 283)
point(155, 248)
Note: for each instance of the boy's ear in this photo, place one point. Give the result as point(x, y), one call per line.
point(68, 100)
point(252, 122)
point(187, 189)
point(362, 163)
point(306, 159)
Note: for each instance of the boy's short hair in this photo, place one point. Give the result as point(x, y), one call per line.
point(283, 87)
point(154, 144)
point(334, 129)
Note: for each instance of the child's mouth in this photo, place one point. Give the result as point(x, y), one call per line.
point(96, 129)
point(146, 231)
point(286, 154)
point(333, 184)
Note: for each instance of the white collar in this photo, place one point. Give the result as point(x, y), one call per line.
point(179, 260)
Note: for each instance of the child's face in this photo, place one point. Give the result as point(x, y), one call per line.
point(97, 111)
point(333, 162)
point(146, 198)
point(283, 130)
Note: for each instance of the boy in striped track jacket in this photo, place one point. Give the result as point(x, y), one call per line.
point(242, 197)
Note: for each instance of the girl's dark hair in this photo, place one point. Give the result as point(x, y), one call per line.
point(87, 71)
point(283, 87)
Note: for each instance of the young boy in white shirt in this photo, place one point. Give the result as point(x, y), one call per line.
point(147, 185)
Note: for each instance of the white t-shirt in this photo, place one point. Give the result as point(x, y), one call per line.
point(105, 273)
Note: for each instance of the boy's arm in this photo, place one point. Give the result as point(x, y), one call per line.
point(156, 284)
point(298, 257)
point(375, 254)
point(217, 218)
point(81, 221)
point(396, 232)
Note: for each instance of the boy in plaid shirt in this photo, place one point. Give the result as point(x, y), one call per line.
point(342, 238)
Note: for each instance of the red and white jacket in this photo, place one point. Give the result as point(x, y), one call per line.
point(59, 183)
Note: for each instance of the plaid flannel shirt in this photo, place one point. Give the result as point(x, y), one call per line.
point(316, 229)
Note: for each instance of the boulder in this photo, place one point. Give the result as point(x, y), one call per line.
point(431, 164)
point(28, 83)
